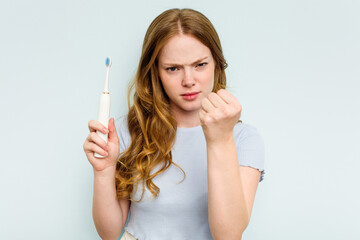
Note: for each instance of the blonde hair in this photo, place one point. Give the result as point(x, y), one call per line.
point(151, 127)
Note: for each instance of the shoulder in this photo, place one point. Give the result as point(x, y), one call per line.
point(244, 131)
point(122, 131)
point(250, 146)
point(121, 122)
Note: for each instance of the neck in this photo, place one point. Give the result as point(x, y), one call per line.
point(186, 119)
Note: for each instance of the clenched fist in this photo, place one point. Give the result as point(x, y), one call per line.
point(94, 143)
point(218, 115)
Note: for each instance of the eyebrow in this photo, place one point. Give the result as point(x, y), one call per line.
point(175, 64)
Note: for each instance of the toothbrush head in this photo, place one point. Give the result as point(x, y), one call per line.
point(108, 62)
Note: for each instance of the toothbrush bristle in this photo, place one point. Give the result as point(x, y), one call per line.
point(108, 62)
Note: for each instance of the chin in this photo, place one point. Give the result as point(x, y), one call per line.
point(195, 107)
point(187, 106)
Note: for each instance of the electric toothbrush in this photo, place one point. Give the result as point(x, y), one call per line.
point(104, 105)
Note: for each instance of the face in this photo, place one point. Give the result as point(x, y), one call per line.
point(186, 69)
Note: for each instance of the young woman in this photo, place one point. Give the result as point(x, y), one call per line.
point(180, 161)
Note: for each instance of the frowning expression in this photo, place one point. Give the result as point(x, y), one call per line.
point(186, 68)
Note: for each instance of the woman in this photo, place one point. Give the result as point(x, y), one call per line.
point(181, 161)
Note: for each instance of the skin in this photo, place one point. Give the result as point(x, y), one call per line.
point(231, 188)
point(185, 65)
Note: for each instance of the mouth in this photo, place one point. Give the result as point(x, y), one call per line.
point(190, 95)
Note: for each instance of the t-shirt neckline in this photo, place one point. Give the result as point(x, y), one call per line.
point(189, 129)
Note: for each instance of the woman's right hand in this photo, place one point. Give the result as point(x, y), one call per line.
point(94, 143)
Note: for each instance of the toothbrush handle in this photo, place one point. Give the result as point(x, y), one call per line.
point(103, 116)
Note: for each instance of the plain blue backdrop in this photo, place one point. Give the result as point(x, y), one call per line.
point(293, 65)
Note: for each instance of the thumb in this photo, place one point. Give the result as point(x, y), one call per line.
point(113, 137)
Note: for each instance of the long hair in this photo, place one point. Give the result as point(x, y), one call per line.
point(151, 126)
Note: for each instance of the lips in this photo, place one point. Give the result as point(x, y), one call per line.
point(189, 94)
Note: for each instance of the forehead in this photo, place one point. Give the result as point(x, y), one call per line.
point(183, 49)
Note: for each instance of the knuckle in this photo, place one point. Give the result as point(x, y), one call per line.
point(221, 91)
point(93, 135)
point(238, 109)
point(207, 120)
point(215, 115)
point(212, 94)
point(93, 147)
point(90, 123)
point(224, 111)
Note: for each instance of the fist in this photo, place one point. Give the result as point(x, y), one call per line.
point(218, 115)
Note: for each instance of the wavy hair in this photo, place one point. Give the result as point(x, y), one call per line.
point(151, 126)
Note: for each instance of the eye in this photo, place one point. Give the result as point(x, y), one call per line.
point(171, 69)
point(202, 64)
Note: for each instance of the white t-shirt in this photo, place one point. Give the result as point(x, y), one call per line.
point(181, 210)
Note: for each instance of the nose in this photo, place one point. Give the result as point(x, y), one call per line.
point(188, 79)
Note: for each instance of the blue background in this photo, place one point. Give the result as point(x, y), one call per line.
point(293, 65)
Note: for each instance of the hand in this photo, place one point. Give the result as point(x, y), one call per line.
point(218, 115)
point(94, 143)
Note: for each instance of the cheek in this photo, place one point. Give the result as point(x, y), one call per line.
point(210, 75)
point(166, 83)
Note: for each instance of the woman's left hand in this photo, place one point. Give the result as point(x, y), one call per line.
point(218, 115)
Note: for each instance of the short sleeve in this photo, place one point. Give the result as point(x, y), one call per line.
point(250, 147)
point(122, 132)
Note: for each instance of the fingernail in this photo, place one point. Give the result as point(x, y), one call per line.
point(105, 130)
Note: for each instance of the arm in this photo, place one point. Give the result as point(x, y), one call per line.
point(231, 189)
point(107, 213)
point(228, 212)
